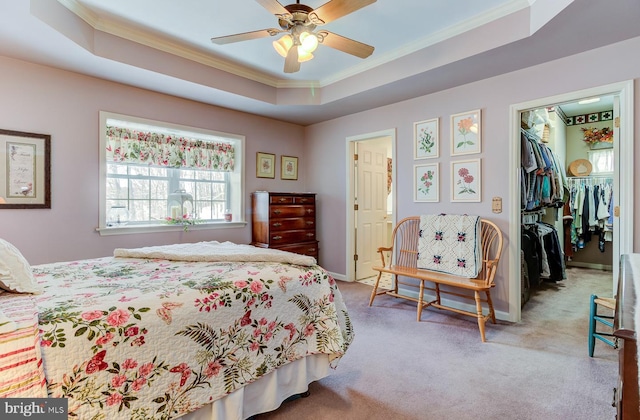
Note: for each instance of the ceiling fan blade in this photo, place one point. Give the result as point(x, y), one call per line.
point(345, 44)
point(335, 9)
point(291, 64)
point(275, 8)
point(245, 36)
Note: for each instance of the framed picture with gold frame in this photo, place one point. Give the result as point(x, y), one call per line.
point(265, 165)
point(289, 167)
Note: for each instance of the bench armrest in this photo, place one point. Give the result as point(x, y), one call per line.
point(382, 250)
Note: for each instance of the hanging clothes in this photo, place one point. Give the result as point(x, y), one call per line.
point(590, 201)
point(543, 180)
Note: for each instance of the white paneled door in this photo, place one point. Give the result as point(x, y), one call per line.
point(371, 201)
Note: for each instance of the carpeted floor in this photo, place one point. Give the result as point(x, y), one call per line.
point(399, 369)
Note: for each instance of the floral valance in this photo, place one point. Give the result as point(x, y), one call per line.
point(144, 147)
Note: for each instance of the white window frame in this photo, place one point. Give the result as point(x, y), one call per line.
point(594, 171)
point(237, 180)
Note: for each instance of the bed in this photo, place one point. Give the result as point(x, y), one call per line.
point(207, 330)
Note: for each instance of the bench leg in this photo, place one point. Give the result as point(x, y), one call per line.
point(420, 299)
point(481, 319)
point(492, 313)
point(375, 289)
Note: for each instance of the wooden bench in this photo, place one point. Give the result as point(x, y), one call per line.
point(404, 252)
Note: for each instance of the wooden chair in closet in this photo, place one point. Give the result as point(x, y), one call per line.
point(595, 318)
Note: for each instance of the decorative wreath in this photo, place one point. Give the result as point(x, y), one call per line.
point(595, 135)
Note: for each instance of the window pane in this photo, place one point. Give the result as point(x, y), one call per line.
point(203, 175)
point(117, 188)
point(159, 172)
point(135, 170)
point(114, 168)
point(601, 160)
point(158, 209)
point(203, 191)
point(158, 189)
point(219, 192)
point(139, 188)
point(138, 210)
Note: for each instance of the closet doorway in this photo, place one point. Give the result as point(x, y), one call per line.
point(621, 96)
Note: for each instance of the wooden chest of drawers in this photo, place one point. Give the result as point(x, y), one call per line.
point(285, 221)
point(627, 397)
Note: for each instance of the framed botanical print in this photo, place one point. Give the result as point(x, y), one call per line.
point(466, 181)
point(426, 139)
point(265, 165)
point(289, 167)
point(426, 181)
point(466, 133)
point(25, 170)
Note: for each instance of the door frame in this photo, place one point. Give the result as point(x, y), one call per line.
point(350, 193)
point(624, 164)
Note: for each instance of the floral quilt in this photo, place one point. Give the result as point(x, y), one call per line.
point(134, 338)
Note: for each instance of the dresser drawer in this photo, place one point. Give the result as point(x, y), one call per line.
point(281, 199)
point(310, 249)
point(278, 211)
point(278, 224)
point(291, 236)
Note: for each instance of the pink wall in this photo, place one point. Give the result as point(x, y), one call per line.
point(66, 105)
point(327, 170)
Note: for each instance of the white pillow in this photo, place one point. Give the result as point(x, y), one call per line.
point(7, 325)
point(15, 272)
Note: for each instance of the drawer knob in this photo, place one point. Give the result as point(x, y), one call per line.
point(277, 238)
point(309, 222)
point(277, 211)
point(277, 224)
point(311, 250)
point(310, 235)
point(282, 200)
point(309, 211)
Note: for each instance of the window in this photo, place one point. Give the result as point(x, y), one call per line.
point(147, 165)
point(601, 161)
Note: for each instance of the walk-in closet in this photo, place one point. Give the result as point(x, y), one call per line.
point(567, 203)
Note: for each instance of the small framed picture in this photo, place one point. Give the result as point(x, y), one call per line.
point(426, 139)
point(265, 165)
point(426, 181)
point(289, 167)
point(466, 181)
point(466, 133)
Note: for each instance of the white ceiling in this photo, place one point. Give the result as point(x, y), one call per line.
point(421, 46)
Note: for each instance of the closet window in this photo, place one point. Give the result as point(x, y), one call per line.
point(601, 161)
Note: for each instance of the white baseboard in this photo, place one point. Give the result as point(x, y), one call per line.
point(590, 265)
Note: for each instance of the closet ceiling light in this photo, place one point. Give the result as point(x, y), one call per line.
point(588, 101)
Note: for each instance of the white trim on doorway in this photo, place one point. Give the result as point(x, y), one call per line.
point(350, 194)
point(624, 165)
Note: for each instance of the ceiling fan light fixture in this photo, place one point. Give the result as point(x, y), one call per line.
point(303, 55)
point(283, 45)
point(308, 41)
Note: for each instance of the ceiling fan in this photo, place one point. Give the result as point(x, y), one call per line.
point(299, 22)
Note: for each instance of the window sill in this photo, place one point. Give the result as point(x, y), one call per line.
point(132, 229)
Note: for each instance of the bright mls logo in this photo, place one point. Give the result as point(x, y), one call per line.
point(34, 408)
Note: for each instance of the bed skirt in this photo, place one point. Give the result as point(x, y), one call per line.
point(267, 393)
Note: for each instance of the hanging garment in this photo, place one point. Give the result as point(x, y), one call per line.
point(530, 244)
